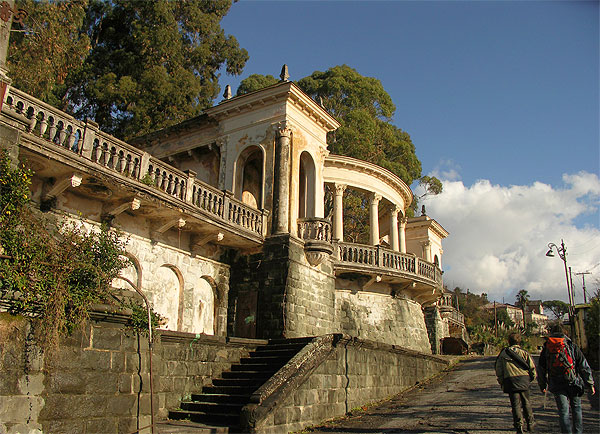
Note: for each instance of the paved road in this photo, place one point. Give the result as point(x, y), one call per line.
point(465, 400)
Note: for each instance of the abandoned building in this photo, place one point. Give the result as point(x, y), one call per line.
point(225, 220)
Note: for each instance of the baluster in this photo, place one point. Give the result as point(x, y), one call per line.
point(51, 130)
point(176, 187)
point(62, 133)
point(128, 166)
point(43, 124)
point(71, 141)
point(120, 157)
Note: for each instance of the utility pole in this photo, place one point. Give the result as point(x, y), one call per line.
point(583, 278)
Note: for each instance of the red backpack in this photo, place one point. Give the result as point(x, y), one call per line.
point(560, 363)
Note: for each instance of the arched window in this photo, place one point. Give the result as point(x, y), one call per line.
point(248, 185)
point(306, 185)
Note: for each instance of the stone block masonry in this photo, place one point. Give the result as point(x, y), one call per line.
point(331, 376)
point(97, 381)
point(295, 299)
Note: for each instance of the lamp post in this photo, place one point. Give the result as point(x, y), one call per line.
point(562, 254)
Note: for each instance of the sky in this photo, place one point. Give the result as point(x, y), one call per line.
point(501, 99)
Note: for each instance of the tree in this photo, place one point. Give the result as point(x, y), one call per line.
point(255, 82)
point(557, 307)
point(151, 64)
point(46, 47)
point(522, 299)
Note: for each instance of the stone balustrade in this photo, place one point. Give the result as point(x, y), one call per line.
point(99, 148)
point(383, 259)
point(317, 229)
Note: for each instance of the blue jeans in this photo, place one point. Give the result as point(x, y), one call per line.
point(563, 402)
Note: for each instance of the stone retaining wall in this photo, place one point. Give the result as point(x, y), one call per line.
point(98, 381)
point(331, 376)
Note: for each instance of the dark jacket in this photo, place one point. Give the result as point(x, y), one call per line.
point(510, 375)
point(558, 384)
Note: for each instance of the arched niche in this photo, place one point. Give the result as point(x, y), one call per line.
point(167, 296)
point(200, 305)
point(133, 273)
point(307, 186)
point(249, 176)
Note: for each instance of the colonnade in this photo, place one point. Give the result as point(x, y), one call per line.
point(397, 233)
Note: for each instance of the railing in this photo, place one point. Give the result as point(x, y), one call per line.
point(314, 228)
point(386, 259)
point(85, 140)
point(454, 315)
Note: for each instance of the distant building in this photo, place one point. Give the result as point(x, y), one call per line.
point(534, 313)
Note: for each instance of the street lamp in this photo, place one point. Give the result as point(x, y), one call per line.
point(562, 254)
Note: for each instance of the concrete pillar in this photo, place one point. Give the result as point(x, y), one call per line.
point(281, 181)
point(374, 220)
point(402, 234)
point(394, 240)
point(338, 212)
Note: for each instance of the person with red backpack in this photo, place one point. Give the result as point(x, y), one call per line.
point(515, 370)
point(562, 369)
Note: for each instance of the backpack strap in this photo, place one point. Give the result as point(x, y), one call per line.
point(519, 361)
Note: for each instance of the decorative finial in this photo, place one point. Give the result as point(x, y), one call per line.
point(227, 94)
point(284, 73)
point(423, 213)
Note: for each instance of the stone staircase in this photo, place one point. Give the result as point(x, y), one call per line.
point(220, 405)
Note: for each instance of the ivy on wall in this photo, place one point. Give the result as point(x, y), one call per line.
point(50, 270)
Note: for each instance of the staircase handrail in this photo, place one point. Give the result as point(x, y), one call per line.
point(289, 377)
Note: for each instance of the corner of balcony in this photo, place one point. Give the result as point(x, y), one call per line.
point(316, 233)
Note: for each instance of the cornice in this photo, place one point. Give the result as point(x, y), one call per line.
point(341, 161)
point(284, 91)
point(425, 221)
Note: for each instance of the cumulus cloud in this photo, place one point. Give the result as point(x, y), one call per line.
point(499, 235)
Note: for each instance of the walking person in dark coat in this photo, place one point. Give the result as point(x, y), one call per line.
point(563, 370)
point(515, 370)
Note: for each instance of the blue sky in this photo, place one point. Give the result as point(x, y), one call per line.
point(497, 93)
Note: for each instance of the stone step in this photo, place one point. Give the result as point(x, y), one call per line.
point(284, 353)
point(233, 390)
point(271, 360)
point(221, 419)
point(221, 398)
point(213, 407)
point(271, 347)
point(247, 374)
point(241, 382)
point(259, 367)
point(187, 427)
point(286, 341)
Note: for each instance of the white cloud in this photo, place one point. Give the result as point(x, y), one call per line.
point(499, 236)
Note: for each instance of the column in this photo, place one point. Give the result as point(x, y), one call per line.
point(338, 212)
point(374, 219)
point(281, 181)
point(394, 241)
point(403, 221)
point(427, 250)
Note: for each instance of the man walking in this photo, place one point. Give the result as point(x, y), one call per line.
point(563, 370)
point(515, 370)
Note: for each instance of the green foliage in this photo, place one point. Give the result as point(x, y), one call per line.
point(255, 82)
point(470, 305)
point(54, 272)
point(139, 317)
point(47, 48)
point(557, 307)
point(134, 66)
point(522, 299)
point(592, 330)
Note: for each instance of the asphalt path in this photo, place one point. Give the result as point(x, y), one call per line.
point(466, 399)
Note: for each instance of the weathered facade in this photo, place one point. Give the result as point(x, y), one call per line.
point(224, 217)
